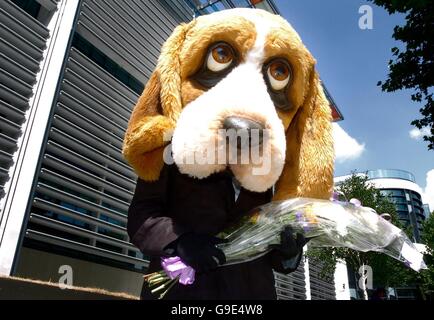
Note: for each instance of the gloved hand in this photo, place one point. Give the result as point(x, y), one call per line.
point(286, 256)
point(199, 251)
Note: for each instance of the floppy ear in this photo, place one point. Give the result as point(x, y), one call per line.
point(309, 163)
point(155, 114)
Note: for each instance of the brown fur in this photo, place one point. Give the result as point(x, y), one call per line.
point(308, 170)
point(144, 139)
point(238, 32)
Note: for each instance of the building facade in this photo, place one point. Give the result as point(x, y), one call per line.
point(403, 190)
point(66, 197)
point(71, 73)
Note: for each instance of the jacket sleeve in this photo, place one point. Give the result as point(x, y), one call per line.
point(149, 228)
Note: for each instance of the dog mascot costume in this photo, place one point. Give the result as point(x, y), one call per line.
point(241, 69)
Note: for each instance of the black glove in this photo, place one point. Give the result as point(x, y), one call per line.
point(286, 256)
point(199, 251)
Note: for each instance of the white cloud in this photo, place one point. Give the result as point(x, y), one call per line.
point(417, 134)
point(428, 193)
point(346, 147)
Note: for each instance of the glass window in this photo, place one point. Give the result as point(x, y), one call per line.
point(391, 173)
point(265, 5)
point(29, 6)
point(112, 221)
point(403, 216)
point(219, 6)
point(393, 193)
point(399, 200)
point(74, 222)
point(208, 10)
point(107, 246)
point(110, 233)
point(241, 3)
point(86, 48)
point(402, 207)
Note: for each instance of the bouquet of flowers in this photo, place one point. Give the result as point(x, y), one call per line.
point(328, 223)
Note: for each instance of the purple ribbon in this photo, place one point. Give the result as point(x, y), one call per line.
point(174, 268)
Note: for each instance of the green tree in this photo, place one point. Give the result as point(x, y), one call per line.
point(413, 67)
point(425, 279)
point(387, 272)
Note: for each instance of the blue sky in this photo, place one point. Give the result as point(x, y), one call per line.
point(351, 61)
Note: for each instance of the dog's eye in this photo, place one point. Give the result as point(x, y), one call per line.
point(219, 61)
point(279, 74)
point(220, 57)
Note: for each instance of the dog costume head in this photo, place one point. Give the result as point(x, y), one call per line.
point(240, 69)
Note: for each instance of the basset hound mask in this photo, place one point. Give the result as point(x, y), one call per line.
point(241, 69)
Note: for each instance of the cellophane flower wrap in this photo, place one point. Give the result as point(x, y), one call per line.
point(328, 223)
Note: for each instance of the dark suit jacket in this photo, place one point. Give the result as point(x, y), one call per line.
point(163, 210)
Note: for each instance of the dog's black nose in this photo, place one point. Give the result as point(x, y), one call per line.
point(244, 126)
